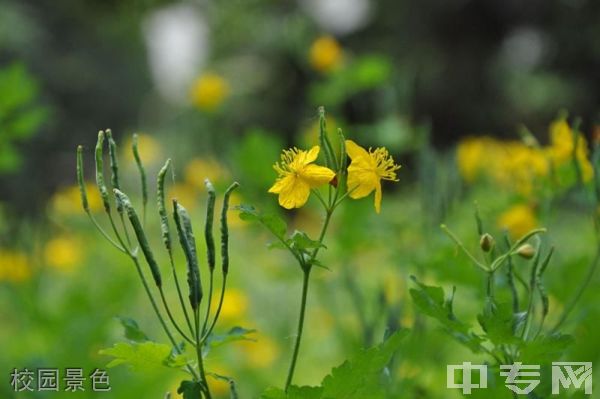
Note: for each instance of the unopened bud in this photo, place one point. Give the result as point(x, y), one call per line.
point(526, 251)
point(487, 242)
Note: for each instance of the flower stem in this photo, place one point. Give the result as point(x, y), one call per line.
point(580, 291)
point(155, 307)
point(305, 281)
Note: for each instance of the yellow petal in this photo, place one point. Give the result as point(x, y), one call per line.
point(295, 194)
point(316, 175)
point(355, 151)
point(361, 182)
point(281, 183)
point(378, 197)
point(311, 155)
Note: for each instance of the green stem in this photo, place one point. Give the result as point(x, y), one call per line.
point(587, 280)
point(199, 354)
point(305, 281)
point(208, 306)
point(180, 295)
point(218, 312)
point(125, 228)
point(155, 307)
point(490, 285)
point(168, 310)
point(105, 234)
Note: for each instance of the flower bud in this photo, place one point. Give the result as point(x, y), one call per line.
point(487, 242)
point(526, 251)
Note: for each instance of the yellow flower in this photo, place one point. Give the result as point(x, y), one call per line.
point(261, 353)
point(325, 54)
point(474, 153)
point(209, 91)
point(510, 164)
point(367, 169)
point(298, 175)
point(148, 147)
point(67, 200)
point(562, 144)
point(186, 194)
point(235, 304)
point(63, 253)
point(199, 169)
point(518, 220)
point(14, 266)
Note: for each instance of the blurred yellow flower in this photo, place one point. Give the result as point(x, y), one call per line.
point(261, 353)
point(298, 175)
point(518, 220)
point(367, 169)
point(185, 194)
point(511, 164)
point(235, 305)
point(209, 91)
point(67, 200)
point(219, 388)
point(14, 266)
point(148, 147)
point(63, 253)
point(521, 167)
point(562, 148)
point(325, 54)
point(199, 169)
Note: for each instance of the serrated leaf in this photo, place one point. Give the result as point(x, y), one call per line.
point(430, 301)
point(274, 223)
point(140, 356)
point(234, 334)
point(301, 241)
point(132, 329)
point(546, 348)
point(359, 377)
point(498, 321)
point(273, 393)
point(190, 390)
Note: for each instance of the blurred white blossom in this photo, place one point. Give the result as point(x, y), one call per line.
point(177, 38)
point(339, 17)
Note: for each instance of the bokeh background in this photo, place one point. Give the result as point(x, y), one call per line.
point(221, 88)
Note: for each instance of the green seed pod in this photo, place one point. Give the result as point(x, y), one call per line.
point(100, 171)
point(162, 210)
point(330, 160)
point(188, 244)
point(141, 236)
point(526, 251)
point(114, 165)
point(138, 161)
point(80, 179)
point(225, 229)
point(487, 242)
point(208, 227)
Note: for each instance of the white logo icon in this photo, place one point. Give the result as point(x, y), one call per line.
point(467, 369)
point(514, 371)
point(577, 374)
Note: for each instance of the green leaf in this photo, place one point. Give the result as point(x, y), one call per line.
point(359, 377)
point(430, 301)
point(274, 223)
point(273, 393)
point(132, 330)
point(301, 241)
point(190, 390)
point(140, 356)
point(498, 321)
point(234, 334)
point(546, 348)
